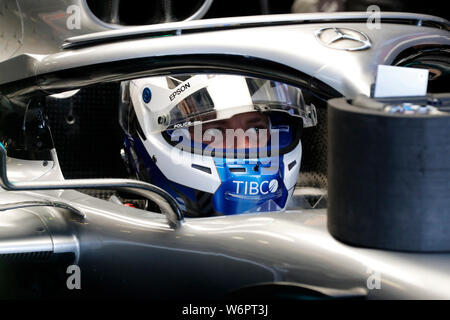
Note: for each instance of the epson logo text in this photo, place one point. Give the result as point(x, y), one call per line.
point(179, 91)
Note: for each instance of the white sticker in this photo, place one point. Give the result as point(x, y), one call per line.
point(400, 82)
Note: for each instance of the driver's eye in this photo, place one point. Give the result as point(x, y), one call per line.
point(255, 129)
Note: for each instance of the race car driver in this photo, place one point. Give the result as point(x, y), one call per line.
point(219, 144)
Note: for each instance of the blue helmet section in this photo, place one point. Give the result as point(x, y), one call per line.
point(247, 186)
point(192, 202)
point(250, 187)
point(145, 167)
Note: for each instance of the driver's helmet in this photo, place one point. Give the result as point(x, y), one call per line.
point(219, 144)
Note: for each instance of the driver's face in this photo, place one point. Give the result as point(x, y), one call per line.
point(253, 124)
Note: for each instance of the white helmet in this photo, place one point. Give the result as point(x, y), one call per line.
point(220, 144)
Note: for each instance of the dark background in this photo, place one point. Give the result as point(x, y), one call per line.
point(158, 11)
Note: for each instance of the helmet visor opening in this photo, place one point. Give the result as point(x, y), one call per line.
point(206, 98)
point(245, 135)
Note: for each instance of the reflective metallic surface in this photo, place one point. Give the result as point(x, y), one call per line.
point(348, 72)
point(222, 254)
point(179, 28)
point(167, 203)
point(218, 254)
point(355, 40)
point(27, 204)
point(39, 27)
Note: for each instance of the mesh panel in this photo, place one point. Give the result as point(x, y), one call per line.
point(313, 170)
point(86, 132)
point(99, 193)
point(26, 256)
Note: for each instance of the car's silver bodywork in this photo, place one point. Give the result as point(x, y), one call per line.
point(130, 249)
point(293, 44)
point(210, 256)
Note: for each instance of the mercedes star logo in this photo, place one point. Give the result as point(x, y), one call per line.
point(343, 38)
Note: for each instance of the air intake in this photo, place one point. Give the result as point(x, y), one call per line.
point(26, 256)
point(131, 13)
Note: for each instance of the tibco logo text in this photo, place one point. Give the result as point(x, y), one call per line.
point(179, 91)
point(254, 188)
